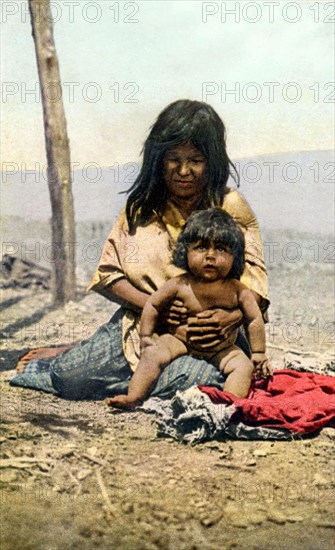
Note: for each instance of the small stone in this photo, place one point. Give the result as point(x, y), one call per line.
point(200, 504)
point(324, 523)
point(66, 451)
point(172, 482)
point(44, 467)
point(82, 474)
point(260, 453)
point(160, 514)
point(231, 510)
point(8, 476)
point(276, 517)
point(224, 453)
point(251, 463)
point(256, 519)
point(234, 515)
point(86, 531)
point(240, 522)
point(211, 520)
point(328, 432)
point(295, 519)
point(212, 446)
point(128, 508)
point(206, 522)
point(146, 527)
point(319, 480)
point(92, 451)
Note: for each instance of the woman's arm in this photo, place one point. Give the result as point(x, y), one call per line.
point(125, 294)
point(110, 279)
point(254, 274)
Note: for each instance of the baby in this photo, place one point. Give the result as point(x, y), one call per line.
point(210, 249)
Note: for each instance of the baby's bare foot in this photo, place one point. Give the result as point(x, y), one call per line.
point(122, 402)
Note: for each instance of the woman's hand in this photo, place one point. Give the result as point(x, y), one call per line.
point(174, 313)
point(212, 326)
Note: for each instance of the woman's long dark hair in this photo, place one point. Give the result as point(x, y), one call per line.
point(180, 122)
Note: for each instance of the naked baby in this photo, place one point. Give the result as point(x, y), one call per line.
point(210, 249)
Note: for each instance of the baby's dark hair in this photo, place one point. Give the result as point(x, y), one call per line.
point(215, 225)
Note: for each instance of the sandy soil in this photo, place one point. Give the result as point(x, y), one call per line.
point(76, 475)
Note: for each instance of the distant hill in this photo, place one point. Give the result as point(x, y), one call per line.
point(287, 191)
point(297, 193)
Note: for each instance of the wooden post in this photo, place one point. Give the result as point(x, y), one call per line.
point(57, 151)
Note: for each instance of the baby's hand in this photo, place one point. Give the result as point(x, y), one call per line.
point(146, 341)
point(262, 365)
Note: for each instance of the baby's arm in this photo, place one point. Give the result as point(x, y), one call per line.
point(152, 309)
point(255, 331)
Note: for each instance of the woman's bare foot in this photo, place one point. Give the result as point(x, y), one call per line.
point(41, 353)
point(21, 367)
point(29, 356)
point(122, 402)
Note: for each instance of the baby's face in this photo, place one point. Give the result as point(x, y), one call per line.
point(209, 261)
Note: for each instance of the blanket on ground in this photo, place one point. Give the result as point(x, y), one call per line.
point(299, 401)
point(291, 404)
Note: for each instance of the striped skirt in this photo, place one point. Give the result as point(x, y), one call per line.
point(96, 368)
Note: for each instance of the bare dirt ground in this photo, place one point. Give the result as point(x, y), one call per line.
point(76, 475)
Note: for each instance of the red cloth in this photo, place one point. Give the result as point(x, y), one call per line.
point(299, 401)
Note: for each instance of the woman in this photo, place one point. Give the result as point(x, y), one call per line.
point(185, 168)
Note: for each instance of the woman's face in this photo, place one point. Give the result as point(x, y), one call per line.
point(184, 172)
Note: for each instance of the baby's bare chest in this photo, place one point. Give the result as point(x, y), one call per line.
point(199, 297)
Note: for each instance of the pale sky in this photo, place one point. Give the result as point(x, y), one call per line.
point(122, 62)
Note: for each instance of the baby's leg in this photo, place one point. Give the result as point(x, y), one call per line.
point(153, 360)
point(239, 369)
